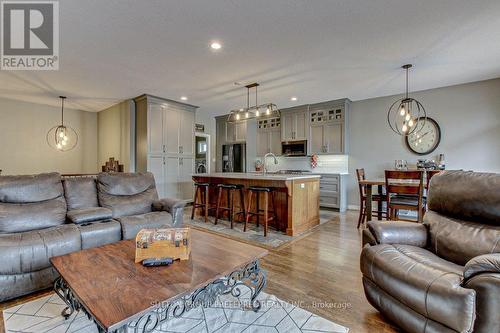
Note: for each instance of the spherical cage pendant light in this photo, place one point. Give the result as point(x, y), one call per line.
point(406, 115)
point(62, 137)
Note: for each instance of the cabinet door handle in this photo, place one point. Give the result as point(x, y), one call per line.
point(163, 148)
point(164, 161)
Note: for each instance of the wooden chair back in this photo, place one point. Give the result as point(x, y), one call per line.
point(409, 183)
point(404, 182)
point(360, 174)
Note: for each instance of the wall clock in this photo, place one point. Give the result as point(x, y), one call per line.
point(426, 140)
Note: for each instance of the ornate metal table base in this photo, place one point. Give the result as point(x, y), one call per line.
point(250, 277)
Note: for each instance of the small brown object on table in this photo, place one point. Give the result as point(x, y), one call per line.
point(117, 293)
point(172, 243)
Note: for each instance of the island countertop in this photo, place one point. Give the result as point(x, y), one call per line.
point(256, 175)
point(294, 197)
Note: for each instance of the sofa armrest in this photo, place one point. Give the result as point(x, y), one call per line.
point(486, 263)
point(398, 232)
point(174, 206)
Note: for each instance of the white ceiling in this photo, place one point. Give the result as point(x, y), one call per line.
point(316, 50)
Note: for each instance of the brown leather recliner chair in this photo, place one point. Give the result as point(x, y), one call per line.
point(442, 275)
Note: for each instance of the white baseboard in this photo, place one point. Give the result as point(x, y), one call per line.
point(353, 207)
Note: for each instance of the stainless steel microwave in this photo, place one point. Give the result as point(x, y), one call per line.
point(294, 148)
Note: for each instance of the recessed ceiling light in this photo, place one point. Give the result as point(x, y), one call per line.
point(216, 45)
point(184, 98)
point(293, 99)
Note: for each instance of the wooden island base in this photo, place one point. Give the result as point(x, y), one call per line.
point(296, 197)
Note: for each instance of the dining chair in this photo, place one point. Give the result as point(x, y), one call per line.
point(430, 173)
point(404, 190)
point(380, 197)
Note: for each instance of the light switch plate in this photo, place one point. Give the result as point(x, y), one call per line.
point(302, 185)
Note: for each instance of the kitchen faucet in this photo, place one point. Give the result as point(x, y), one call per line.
point(265, 158)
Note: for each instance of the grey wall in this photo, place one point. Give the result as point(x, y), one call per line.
point(469, 117)
point(115, 134)
point(23, 142)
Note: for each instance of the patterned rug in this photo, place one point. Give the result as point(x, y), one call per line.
point(225, 315)
point(253, 234)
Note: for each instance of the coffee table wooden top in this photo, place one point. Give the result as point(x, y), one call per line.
point(115, 290)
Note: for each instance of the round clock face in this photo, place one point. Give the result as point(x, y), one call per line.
point(426, 140)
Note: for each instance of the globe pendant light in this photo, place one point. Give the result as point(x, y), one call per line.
point(256, 111)
point(62, 137)
point(406, 115)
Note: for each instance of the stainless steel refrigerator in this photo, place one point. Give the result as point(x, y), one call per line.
point(234, 158)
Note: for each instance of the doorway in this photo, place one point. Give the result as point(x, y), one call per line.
point(202, 153)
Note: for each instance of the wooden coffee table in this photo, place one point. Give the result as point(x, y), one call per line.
point(117, 294)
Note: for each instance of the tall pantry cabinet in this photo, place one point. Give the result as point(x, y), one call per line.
point(165, 144)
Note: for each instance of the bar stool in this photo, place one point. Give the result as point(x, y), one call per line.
point(201, 199)
point(230, 190)
point(256, 190)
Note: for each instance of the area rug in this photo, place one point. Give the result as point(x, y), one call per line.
point(253, 234)
point(43, 315)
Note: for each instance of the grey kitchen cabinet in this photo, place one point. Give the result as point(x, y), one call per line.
point(268, 136)
point(269, 142)
point(185, 180)
point(165, 143)
point(263, 143)
point(294, 124)
point(327, 138)
point(240, 131)
point(156, 167)
point(328, 127)
point(173, 175)
point(236, 132)
point(317, 138)
point(332, 191)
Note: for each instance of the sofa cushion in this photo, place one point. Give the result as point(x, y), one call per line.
point(422, 281)
point(127, 193)
point(459, 241)
point(30, 251)
point(131, 225)
point(466, 195)
point(84, 215)
point(15, 217)
point(31, 202)
point(80, 192)
point(30, 188)
point(100, 233)
point(16, 285)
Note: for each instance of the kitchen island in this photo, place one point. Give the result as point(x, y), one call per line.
point(296, 196)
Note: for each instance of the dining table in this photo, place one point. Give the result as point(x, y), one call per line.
point(369, 183)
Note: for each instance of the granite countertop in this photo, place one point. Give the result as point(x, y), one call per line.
point(256, 175)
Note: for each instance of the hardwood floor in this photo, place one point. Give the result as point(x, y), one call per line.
point(319, 272)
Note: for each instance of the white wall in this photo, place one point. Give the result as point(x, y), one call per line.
point(23, 144)
point(469, 117)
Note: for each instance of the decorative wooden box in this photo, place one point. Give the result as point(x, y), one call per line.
point(174, 243)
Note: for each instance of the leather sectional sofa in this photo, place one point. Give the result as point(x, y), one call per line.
point(42, 216)
point(442, 275)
